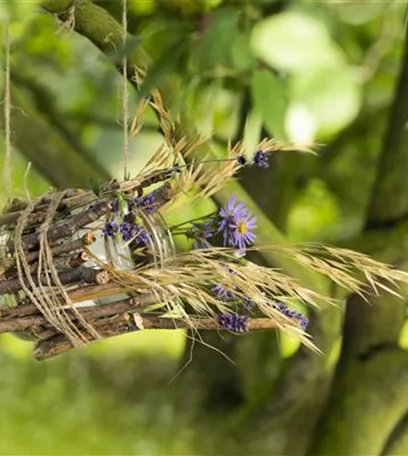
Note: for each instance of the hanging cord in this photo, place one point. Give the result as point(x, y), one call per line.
point(7, 109)
point(125, 95)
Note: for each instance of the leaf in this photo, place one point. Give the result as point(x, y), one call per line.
point(214, 48)
point(126, 50)
point(351, 12)
point(330, 95)
point(94, 185)
point(269, 100)
point(241, 54)
point(132, 43)
point(143, 7)
point(295, 42)
point(252, 133)
point(166, 64)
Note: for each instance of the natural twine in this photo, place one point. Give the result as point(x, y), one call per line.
point(50, 299)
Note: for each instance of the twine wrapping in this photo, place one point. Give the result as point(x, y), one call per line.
point(51, 298)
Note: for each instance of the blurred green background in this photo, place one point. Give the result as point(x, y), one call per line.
point(324, 72)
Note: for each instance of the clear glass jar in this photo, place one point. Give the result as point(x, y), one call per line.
point(114, 251)
point(160, 245)
point(118, 254)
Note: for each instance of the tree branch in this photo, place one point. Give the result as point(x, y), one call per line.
point(368, 398)
point(96, 24)
point(370, 360)
point(44, 103)
point(49, 152)
point(390, 193)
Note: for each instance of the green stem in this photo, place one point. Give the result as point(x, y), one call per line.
point(203, 217)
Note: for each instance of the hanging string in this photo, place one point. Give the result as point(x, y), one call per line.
point(25, 182)
point(125, 95)
point(7, 108)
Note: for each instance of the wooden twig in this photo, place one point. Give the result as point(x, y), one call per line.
point(13, 212)
point(78, 260)
point(67, 228)
point(126, 323)
point(12, 217)
point(23, 317)
point(161, 195)
point(77, 198)
point(82, 274)
point(9, 264)
point(61, 263)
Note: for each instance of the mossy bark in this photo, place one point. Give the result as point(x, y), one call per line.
point(369, 394)
point(56, 158)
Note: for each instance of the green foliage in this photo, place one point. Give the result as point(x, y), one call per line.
point(214, 48)
point(142, 7)
point(22, 178)
point(268, 95)
point(164, 66)
point(18, 15)
point(295, 42)
point(315, 215)
point(242, 57)
point(331, 96)
point(350, 12)
point(301, 45)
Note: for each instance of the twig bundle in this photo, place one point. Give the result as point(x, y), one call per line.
point(50, 268)
point(181, 293)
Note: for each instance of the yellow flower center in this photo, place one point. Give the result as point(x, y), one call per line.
point(242, 228)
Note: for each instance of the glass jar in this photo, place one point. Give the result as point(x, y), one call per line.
point(160, 244)
point(119, 253)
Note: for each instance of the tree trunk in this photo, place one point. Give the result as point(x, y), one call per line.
point(369, 393)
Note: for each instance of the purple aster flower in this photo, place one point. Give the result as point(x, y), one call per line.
point(233, 322)
point(304, 323)
point(201, 233)
point(228, 215)
point(141, 236)
point(201, 243)
point(242, 231)
point(110, 229)
point(261, 159)
point(222, 292)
